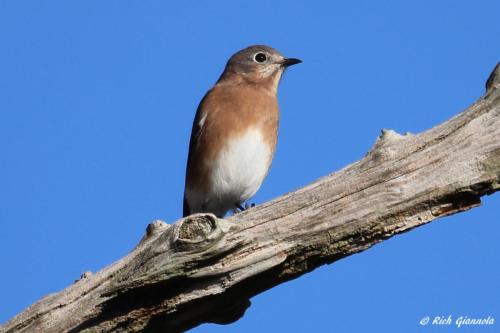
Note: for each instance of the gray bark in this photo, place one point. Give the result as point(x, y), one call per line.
point(203, 269)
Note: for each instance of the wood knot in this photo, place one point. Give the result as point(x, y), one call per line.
point(153, 229)
point(197, 233)
point(386, 146)
point(84, 276)
point(387, 136)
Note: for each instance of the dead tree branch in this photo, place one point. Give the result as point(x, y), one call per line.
point(202, 269)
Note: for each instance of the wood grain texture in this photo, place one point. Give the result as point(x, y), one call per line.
point(203, 269)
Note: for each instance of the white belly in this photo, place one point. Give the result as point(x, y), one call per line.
point(239, 169)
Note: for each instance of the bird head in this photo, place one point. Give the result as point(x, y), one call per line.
point(258, 64)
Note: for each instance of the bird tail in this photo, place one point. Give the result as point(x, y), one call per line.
point(185, 208)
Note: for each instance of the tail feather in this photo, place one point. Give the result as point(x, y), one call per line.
point(185, 208)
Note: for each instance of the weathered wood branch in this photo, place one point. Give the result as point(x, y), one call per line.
point(204, 269)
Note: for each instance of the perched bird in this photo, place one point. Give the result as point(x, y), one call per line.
point(234, 132)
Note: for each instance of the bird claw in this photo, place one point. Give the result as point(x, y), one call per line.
point(240, 208)
point(248, 205)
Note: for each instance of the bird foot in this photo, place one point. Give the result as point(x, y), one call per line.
point(243, 208)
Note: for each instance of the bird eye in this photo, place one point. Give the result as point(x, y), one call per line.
point(260, 57)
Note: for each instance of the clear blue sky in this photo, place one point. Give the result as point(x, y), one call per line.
point(96, 104)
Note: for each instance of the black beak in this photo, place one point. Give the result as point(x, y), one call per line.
point(290, 61)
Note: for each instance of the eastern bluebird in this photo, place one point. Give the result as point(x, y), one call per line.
point(234, 132)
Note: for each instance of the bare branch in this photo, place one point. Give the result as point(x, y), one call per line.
point(204, 269)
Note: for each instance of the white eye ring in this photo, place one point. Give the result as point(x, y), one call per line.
point(260, 57)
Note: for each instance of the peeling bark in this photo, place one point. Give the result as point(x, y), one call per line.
point(203, 269)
